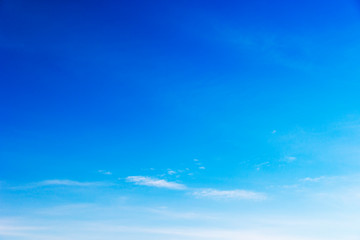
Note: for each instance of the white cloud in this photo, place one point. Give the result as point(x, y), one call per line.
point(171, 172)
point(202, 168)
point(154, 182)
point(103, 230)
point(332, 179)
point(309, 179)
point(289, 159)
point(60, 182)
point(230, 194)
point(260, 165)
point(104, 172)
point(65, 182)
point(180, 214)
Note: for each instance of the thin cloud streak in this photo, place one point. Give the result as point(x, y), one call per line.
point(61, 182)
point(230, 194)
point(237, 194)
point(96, 229)
point(154, 182)
point(105, 172)
point(66, 182)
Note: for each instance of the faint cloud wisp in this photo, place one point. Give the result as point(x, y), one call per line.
point(154, 182)
point(230, 194)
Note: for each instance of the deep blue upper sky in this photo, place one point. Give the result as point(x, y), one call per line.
point(138, 81)
point(262, 93)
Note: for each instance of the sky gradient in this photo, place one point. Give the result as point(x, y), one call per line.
point(169, 120)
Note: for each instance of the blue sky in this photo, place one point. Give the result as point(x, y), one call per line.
point(179, 120)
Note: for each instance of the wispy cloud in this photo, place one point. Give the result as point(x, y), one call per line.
point(154, 182)
point(258, 166)
point(171, 172)
point(65, 182)
point(230, 194)
point(101, 229)
point(60, 182)
point(289, 159)
point(164, 211)
point(105, 172)
point(309, 179)
point(343, 180)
